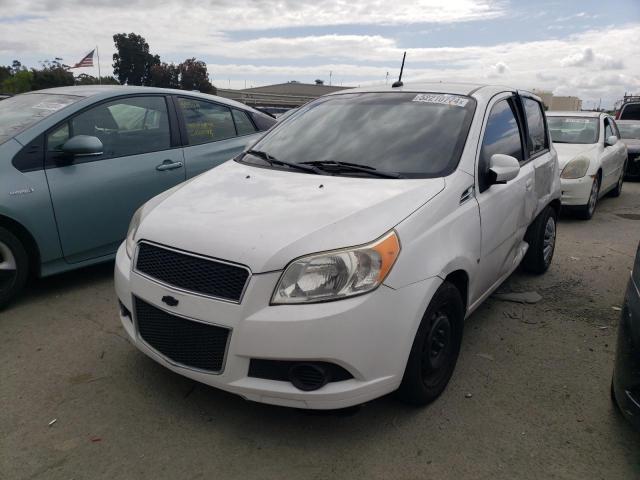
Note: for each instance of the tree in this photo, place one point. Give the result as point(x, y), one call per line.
point(19, 82)
point(84, 79)
point(165, 75)
point(194, 76)
point(5, 73)
point(132, 63)
point(52, 74)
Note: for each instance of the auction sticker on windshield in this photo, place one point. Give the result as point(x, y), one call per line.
point(442, 99)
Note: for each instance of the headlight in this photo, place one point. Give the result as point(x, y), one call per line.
point(133, 228)
point(337, 274)
point(576, 168)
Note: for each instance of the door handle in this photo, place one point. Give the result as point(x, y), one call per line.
point(529, 184)
point(168, 165)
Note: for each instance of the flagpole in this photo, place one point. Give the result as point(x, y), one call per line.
point(99, 74)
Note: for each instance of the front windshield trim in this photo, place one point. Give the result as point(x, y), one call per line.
point(449, 167)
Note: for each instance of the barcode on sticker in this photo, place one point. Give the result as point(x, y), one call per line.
point(442, 99)
point(576, 120)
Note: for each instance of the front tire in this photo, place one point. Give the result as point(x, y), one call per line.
point(435, 348)
point(618, 188)
point(541, 238)
point(14, 266)
point(585, 212)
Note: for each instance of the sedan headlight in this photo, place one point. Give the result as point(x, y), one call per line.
point(337, 274)
point(576, 168)
point(133, 228)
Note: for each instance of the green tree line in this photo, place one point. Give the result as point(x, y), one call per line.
point(133, 64)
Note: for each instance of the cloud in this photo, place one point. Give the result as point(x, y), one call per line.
point(588, 57)
point(498, 70)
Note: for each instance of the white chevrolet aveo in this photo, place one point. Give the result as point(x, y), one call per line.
point(591, 156)
point(336, 260)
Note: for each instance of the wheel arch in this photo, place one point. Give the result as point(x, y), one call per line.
point(27, 239)
point(460, 279)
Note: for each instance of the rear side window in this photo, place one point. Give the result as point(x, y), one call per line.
point(244, 125)
point(502, 135)
point(630, 111)
point(537, 140)
point(206, 122)
point(262, 121)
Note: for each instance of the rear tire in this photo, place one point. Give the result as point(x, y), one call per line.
point(14, 266)
point(541, 238)
point(435, 348)
point(585, 212)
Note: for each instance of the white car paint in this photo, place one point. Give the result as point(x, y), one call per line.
point(264, 219)
point(605, 161)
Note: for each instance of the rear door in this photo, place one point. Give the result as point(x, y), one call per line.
point(503, 207)
point(613, 156)
point(212, 133)
point(94, 197)
point(541, 159)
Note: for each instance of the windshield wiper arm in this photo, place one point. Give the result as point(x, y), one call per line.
point(274, 161)
point(333, 166)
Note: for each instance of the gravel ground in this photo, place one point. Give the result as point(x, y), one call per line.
point(538, 376)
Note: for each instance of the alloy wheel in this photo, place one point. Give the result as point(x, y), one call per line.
point(593, 197)
point(8, 267)
point(549, 241)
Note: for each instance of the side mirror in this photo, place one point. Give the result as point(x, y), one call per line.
point(503, 168)
point(82, 146)
point(611, 141)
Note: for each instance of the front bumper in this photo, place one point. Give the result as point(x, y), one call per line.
point(369, 335)
point(576, 192)
point(626, 376)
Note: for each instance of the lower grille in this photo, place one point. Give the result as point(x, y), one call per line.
point(189, 343)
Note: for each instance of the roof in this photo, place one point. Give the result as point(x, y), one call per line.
point(571, 113)
point(628, 122)
point(106, 91)
point(454, 88)
point(295, 88)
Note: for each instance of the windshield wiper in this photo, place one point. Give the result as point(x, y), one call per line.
point(274, 161)
point(331, 166)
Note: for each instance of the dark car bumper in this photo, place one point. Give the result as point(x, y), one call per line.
point(632, 171)
point(626, 375)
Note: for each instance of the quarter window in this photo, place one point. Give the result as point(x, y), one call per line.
point(243, 123)
point(535, 122)
point(502, 135)
point(206, 122)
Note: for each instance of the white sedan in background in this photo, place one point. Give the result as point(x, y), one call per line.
point(591, 156)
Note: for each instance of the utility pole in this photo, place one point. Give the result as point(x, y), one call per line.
point(386, 80)
point(330, 76)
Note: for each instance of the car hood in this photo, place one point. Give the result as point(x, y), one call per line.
point(569, 151)
point(264, 218)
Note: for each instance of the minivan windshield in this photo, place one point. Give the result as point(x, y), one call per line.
point(415, 135)
point(573, 129)
point(20, 112)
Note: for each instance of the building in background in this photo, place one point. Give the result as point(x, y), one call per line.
point(553, 102)
point(279, 97)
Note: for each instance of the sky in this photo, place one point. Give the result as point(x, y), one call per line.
point(586, 48)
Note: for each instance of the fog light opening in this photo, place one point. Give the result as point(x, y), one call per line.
point(309, 376)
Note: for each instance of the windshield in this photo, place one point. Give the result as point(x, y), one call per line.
point(630, 111)
point(414, 134)
point(629, 130)
point(20, 112)
point(573, 129)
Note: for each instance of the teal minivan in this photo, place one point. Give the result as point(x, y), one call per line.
point(76, 163)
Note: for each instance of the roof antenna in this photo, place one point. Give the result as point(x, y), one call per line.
point(399, 82)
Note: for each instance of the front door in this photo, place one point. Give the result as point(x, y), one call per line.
point(94, 197)
point(502, 207)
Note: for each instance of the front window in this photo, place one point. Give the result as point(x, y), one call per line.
point(629, 130)
point(415, 135)
point(20, 112)
point(573, 129)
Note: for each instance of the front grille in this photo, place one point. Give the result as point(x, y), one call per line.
point(196, 274)
point(186, 342)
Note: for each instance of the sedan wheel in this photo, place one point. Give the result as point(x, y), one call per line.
point(549, 241)
point(14, 266)
point(586, 211)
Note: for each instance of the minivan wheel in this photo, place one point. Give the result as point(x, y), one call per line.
point(585, 212)
point(541, 238)
point(14, 266)
point(435, 348)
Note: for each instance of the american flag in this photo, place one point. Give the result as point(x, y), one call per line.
point(87, 61)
